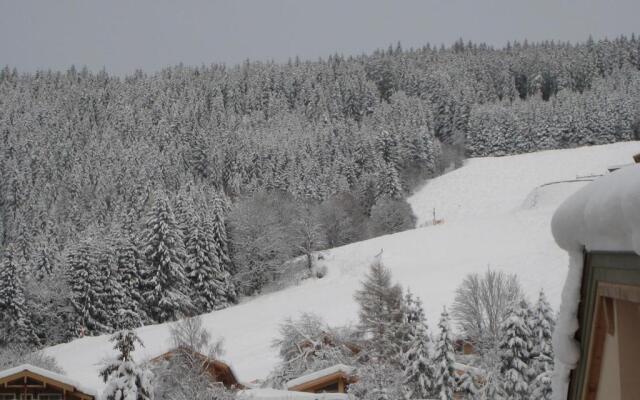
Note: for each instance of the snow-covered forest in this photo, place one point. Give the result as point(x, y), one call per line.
point(139, 199)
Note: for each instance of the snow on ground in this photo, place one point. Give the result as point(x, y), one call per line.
point(495, 216)
point(490, 186)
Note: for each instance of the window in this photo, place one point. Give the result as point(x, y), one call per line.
point(7, 396)
point(27, 396)
point(50, 396)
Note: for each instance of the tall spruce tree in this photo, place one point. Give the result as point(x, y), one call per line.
point(16, 326)
point(226, 292)
point(129, 269)
point(86, 284)
point(542, 325)
point(381, 313)
point(126, 380)
point(203, 268)
point(515, 353)
point(219, 232)
point(165, 284)
point(417, 363)
point(443, 359)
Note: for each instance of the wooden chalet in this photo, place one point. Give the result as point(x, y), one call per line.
point(600, 228)
point(334, 379)
point(218, 370)
point(28, 382)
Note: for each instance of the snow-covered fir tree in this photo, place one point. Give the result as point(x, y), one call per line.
point(381, 313)
point(542, 323)
point(16, 326)
point(126, 380)
point(92, 315)
point(203, 269)
point(417, 363)
point(444, 382)
point(165, 284)
point(219, 231)
point(515, 353)
point(217, 253)
point(129, 269)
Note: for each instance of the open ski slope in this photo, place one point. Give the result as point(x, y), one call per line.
point(496, 215)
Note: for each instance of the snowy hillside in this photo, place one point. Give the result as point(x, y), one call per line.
point(496, 214)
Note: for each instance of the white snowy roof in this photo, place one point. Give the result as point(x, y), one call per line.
point(604, 215)
point(49, 375)
point(469, 368)
point(274, 394)
point(347, 370)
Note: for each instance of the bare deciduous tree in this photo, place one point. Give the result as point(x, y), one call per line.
point(481, 303)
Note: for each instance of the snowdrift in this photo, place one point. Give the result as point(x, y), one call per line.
point(488, 223)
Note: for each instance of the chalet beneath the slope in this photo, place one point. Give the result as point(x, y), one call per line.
point(219, 371)
point(335, 379)
point(27, 382)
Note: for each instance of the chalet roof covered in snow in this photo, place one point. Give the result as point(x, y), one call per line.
point(274, 394)
point(345, 369)
point(602, 216)
point(47, 374)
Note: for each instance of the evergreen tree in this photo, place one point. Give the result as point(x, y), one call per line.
point(129, 269)
point(165, 284)
point(126, 380)
point(515, 353)
point(418, 366)
point(87, 290)
point(381, 312)
point(219, 232)
point(203, 269)
point(16, 326)
point(443, 359)
point(226, 292)
point(542, 324)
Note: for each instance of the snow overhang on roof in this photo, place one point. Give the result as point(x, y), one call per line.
point(602, 216)
point(274, 394)
point(49, 375)
point(345, 369)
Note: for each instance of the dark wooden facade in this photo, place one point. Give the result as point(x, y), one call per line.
point(609, 316)
point(31, 384)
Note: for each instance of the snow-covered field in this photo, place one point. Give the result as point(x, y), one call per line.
point(496, 215)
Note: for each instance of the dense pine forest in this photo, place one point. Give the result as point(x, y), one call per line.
point(140, 199)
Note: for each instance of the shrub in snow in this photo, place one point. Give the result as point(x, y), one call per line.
point(390, 216)
point(126, 380)
point(15, 355)
point(378, 381)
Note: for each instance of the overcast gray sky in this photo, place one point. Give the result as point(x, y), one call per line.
point(124, 35)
